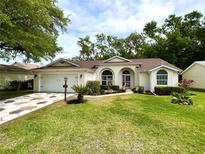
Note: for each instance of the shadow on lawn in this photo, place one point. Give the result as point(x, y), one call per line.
point(75, 101)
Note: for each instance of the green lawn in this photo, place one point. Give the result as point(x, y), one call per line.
point(11, 94)
point(121, 124)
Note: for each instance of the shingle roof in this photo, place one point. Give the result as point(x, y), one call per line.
point(142, 64)
point(11, 68)
point(200, 62)
point(25, 66)
point(145, 64)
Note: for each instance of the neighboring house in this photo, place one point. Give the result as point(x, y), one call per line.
point(116, 71)
point(196, 72)
point(16, 71)
point(25, 66)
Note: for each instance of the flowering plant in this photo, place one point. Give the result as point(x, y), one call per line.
point(186, 84)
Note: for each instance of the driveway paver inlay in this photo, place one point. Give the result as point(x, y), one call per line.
point(13, 108)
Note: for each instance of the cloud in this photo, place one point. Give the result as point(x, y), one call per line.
point(116, 17)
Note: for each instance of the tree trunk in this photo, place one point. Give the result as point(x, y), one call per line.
point(80, 98)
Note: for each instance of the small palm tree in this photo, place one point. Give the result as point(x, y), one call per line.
point(81, 90)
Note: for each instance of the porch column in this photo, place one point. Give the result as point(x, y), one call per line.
point(136, 79)
point(117, 77)
point(39, 82)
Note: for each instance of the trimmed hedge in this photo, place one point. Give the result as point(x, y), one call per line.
point(139, 89)
point(113, 87)
point(93, 87)
point(167, 90)
point(19, 85)
point(198, 89)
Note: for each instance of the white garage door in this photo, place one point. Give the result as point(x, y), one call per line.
point(55, 82)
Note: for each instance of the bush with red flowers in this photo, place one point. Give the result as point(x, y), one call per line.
point(183, 98)
point(186, 84)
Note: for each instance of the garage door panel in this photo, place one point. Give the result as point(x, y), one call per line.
point(54, 83)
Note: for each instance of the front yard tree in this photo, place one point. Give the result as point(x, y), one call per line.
point(29, 28)
point(180, 40)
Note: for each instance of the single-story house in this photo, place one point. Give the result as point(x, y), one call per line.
point(117, 70)
point(16, 71)
point(196, 72)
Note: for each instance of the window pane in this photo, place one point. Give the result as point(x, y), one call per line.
point(162, 72)
point(107, 72)
point(162, 79)
point(103, 82)
point(103, 77)
point(126, 72)
point(127, 78)
point(110, 83)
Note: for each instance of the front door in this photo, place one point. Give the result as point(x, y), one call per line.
point(126, 80)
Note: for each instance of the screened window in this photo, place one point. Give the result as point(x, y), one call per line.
point(162, 77)
point(107, 77)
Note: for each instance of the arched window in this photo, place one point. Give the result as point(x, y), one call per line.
point(162, 77)
point(107, 77)
point(125, 72)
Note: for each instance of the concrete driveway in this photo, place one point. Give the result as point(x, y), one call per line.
point(18, 106)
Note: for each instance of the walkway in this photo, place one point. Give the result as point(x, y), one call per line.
point(15, 107)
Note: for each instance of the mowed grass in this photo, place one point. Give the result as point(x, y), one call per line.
point(122, 124)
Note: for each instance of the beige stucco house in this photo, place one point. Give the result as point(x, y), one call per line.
point(117, 70)
point(196, 72)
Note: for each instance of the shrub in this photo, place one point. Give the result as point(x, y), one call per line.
point(134, 90)
point(19, 85)
point(198, 89)
point(103, 87)
point(102, 92)
point(186, 84)
point(181, 98)
point(93, 87)
point(139, 89)
point(113, 87)
point(81, 90)
point(167, 90)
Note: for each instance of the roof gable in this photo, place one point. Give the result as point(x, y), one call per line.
point(117, 59)
point(202, 63)
point(62, 63)
point(165, 66)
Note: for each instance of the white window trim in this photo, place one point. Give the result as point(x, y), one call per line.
point(108, 77)
point(165, 79)
point(107, 80)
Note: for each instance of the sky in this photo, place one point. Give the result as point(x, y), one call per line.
point(114, 17)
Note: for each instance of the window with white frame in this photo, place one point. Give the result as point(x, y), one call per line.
point(162, 77)
point(106, 77)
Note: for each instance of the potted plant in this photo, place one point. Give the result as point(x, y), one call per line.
point(81, 90)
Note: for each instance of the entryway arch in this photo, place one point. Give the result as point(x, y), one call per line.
point(127, 78)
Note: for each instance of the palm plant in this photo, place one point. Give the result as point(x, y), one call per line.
point(182, 98)
point(81, 90)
